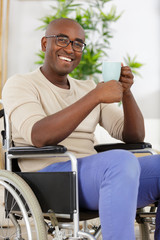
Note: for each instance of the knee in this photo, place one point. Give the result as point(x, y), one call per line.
point(127, 162)
point(123, 163)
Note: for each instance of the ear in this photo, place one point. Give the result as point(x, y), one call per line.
point(43, 44)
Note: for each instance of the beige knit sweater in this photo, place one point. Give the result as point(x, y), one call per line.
point(30, 97)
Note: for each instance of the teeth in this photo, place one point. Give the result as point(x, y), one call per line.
point(66, 59)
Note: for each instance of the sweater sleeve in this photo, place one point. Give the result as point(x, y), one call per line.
point(22, 105)
point(111, 118)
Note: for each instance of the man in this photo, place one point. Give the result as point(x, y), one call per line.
point(47, 107)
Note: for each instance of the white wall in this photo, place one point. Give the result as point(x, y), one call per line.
point(137, 32)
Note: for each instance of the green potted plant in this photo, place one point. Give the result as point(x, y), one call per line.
point(96, 24)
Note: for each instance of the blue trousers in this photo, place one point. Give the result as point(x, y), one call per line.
point(116, 183)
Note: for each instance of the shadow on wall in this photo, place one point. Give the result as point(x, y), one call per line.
point(149, 105)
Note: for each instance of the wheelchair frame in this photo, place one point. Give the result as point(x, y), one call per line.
point(12, 153)
point(60, 151)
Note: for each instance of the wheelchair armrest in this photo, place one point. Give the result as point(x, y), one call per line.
point(47, 151)
point(125, 146)
point(35, 150)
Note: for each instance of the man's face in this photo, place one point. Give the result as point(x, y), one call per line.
point(62, 60)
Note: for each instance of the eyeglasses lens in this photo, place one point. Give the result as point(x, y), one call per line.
point(64, 42)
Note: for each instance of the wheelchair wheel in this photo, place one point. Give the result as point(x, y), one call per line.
point(20, 215)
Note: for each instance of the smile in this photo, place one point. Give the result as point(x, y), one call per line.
point(65, 58)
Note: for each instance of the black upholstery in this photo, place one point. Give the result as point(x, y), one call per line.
point(55, 191)
point(125, 146)
point(35, 150)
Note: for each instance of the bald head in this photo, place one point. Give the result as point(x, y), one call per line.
point(61, 22)
point(55, 62)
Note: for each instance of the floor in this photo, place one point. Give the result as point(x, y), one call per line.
point(136, 232)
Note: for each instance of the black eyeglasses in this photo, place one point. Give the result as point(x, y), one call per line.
point(64, 41)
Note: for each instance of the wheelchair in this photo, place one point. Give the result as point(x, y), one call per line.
point(41, 206)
